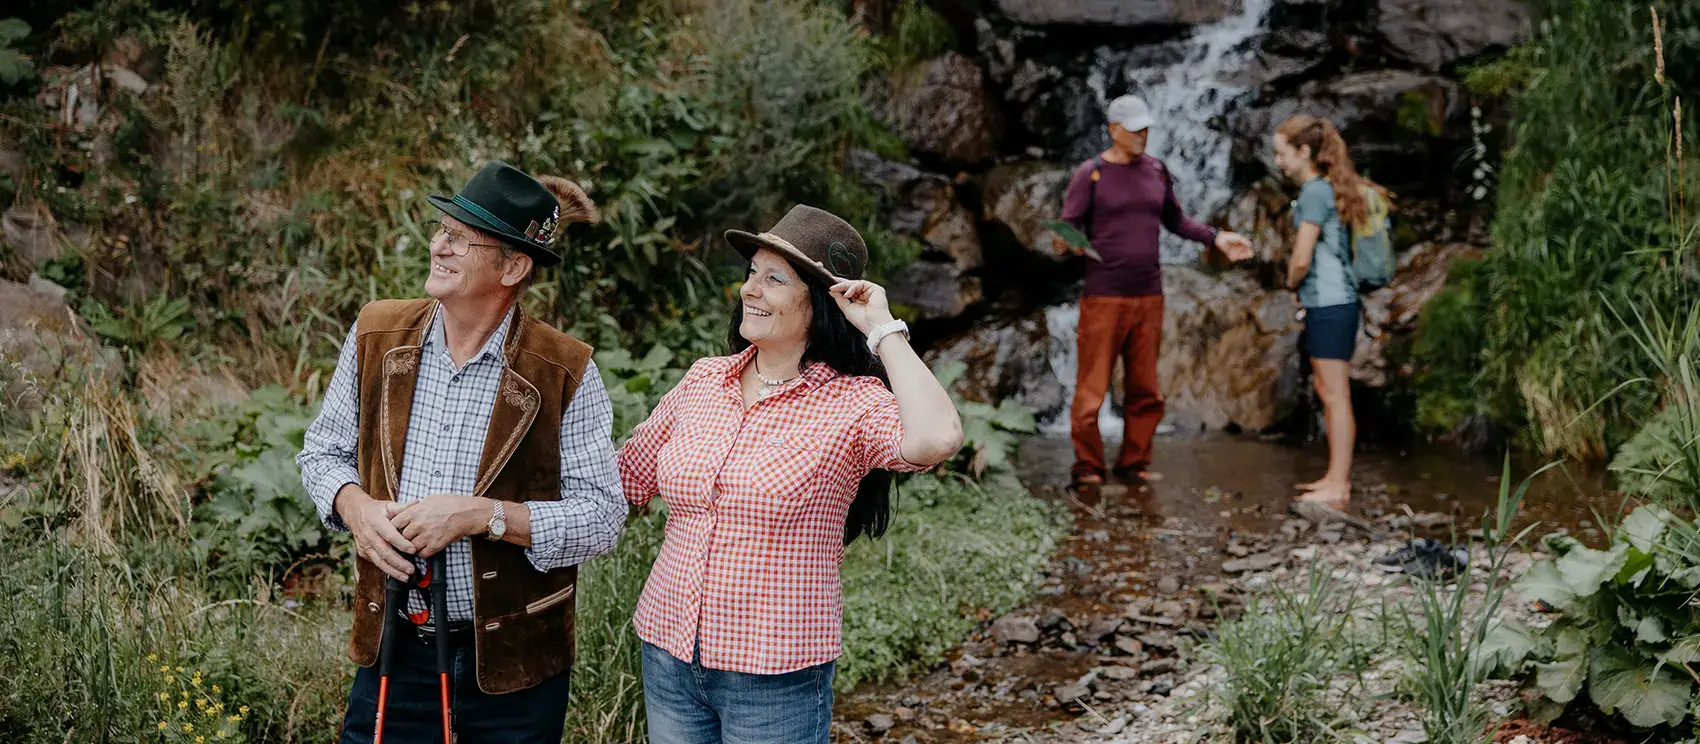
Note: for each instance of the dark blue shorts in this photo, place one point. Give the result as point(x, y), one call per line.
point(1331, 332)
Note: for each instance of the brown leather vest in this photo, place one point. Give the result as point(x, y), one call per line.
point(523, 618)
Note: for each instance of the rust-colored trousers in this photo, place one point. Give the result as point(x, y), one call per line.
point(1111, 328)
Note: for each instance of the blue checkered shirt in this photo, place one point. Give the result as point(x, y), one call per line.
point(445, 440)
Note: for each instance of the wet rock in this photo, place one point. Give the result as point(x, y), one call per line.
point(1168, 585)
point(1156, 667)
point(1237, 550)
point(880, 723)
point(1068, 640)
point(1103, 629)
point(1259, 562)
point(1118, 14)
point(1162, 689)
point(1170, 610)
point(1160, 641)
point(939, 290)
point(1128, 646)
point(1054, 620)
point(1436, 34)
point(903, 713)
point(1021, 197)
point(1069, 694)
point(1015, 630)
point(1114, 727)
point(940, 108)
point(1218, 365)
point(1008, 360)
point(1118, 673)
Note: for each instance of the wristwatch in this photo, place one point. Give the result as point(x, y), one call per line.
point(498, 525)
point(882, 330)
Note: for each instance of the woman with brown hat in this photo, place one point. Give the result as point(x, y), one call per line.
point(770, 461)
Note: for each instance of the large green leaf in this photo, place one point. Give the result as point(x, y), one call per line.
point(1505, 647)
point(1644, 526)
point(1585, 569)
point(1544, 583)
point(1561, 680)
point(1637, 688)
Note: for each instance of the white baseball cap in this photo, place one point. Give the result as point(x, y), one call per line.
point(1131, 112)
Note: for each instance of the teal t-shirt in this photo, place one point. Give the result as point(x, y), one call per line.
point(1330, 279)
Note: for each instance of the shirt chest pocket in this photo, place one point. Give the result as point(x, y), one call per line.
point(783, 467)
point(686, 466)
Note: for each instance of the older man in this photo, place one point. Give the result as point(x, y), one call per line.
point(1120, 198)
point(457, 423)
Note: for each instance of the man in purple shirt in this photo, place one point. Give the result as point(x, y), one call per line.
point(1119, 199)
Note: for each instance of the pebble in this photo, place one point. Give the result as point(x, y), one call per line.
point(1168, 585)
point(880, 723)
point(1015, 630)
point(1129, 646)
point(1119, 673)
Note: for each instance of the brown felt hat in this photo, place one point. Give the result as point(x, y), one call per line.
point(817, 242)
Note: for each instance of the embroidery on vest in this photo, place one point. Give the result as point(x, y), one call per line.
point(525, 400)
point(401, 363)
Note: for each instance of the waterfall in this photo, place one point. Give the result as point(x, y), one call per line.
point(1188, 91)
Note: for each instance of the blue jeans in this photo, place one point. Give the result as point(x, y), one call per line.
point(535, 715)
point(689, 704)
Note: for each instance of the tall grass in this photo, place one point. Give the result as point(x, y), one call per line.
point(1282, 656)
point(1589, 215)
point(1443, 631)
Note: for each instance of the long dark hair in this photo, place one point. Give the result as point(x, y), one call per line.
point(834, 341)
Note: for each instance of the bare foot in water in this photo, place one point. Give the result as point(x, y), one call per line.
point(1311, 486)
point(1334, 495)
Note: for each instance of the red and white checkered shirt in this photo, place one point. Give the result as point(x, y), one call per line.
point(756, 504)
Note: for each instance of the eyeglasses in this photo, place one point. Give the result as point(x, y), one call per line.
point(459, 242)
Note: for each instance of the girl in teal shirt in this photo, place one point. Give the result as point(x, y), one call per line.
point(1331, 199)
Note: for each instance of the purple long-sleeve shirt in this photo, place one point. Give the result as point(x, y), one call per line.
point(1132, 201)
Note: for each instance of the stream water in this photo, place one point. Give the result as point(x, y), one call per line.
point(1164, 540)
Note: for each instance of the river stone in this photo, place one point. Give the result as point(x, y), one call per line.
point(1259, 562)
point(1068, 694)
point(1103, 629)
point(1436, 34)
point(880, 723)
point(1015, 630)
point(940, 108)
point(1391, 313)
point(1156, 667)
point(1129, 646)
point(1054, 620)
point(1118, 673)
point(1118, 13)
point(1218, 366)
point(1168, 585)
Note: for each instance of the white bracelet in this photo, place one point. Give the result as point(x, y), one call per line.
point(882, 330)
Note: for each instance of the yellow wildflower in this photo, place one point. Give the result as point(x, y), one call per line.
point(216, 690)
point(234, 719)
point(181, 704)
point(161, 725)
point(200, 702)
point(169, 678)
point(221, 734)
point(188, 728)
point(200, 740)
point(163, 695)
point(165, 669)
point(153, 657)
point(210, 712)
point(185, 694)
point(243, 710)
point(179, 670)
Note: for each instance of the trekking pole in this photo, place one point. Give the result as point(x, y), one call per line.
point(394, 593)
point(440, 613)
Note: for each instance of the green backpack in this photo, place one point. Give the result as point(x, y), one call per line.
point(1372, 245)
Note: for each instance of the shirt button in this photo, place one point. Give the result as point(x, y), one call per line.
point(436, 473)
point(445, 427)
